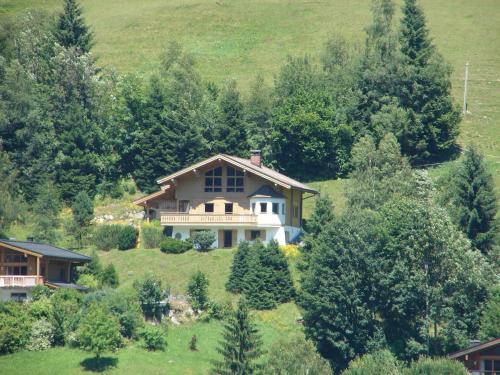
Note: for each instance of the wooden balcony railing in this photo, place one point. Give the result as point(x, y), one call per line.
point(20, 281)
point(181, 218)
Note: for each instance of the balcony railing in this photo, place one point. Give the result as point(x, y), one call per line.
point(182, 218)
point(20, 281)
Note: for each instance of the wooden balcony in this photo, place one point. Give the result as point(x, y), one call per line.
point(175, 218)
point(20, 281)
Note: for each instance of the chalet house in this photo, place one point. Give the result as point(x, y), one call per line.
point(238, 199)
point(480, 358)
point(24, 265)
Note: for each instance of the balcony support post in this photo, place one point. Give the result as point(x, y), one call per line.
point(37, 270)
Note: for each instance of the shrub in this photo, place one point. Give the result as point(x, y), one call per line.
point(151, 293)
point(125, 306)
point(127, 238)
point(15, 327)
point(193, 343)
point(41, 335)
point(152, 235)
point(203, 240)
point(109, 276)
point(290, 251)
point(197, 290)
point(436, 366)
point(89, 281)
point(155, 337)
point(106, 236)
point(40, 291)
point(379, 363)
point(296, 356)
point(40, 308)
point(174, 246)
point(65, 306)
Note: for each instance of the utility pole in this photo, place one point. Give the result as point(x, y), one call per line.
point(465, 86)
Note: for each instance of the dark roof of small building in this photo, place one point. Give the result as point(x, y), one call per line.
point(47, 250)
point(267, 192)
point(475, 348)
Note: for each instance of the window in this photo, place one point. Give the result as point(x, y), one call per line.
point(15, 257)
point(18, 296)
point(491, 366)
point(254, 234)
point(296, 211)
point(213, 180)
point(169, 205)
point(168, 230)
point(263, 207)
point(228, 208)
point(17, 270)
point(209, 207)
point(235, 181)
point(183, 206)
point(282, 208)
point(253, 208)
point(276, 208)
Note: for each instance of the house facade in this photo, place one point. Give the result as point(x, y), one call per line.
point(238, 199)
point(480, 358)
point(23, 265)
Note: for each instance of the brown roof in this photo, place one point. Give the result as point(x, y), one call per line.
point(262, 171)
point(475, 348)
point(151, 196)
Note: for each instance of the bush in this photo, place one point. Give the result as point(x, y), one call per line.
point(290, 251)
point(152, 235)
point(106, 236)
point(127, 238)
point(125, 306)
point(109, 276)
point(40, 291)
point(40, 308)
point(115, 236)
point(197, 291)
point(436, 366)
point(203, 240)
point(89, 281)
point(65, 306)
point(173, 246)
point(379, 363)
point(41, 335)
point(155, 337)
point(151, 293)
point(15, 327)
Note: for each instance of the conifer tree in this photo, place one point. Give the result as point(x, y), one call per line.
point(239, 268)
point(83, 213)
point(109, 276)
point(230, 135)
point(268, 281)
point(10, 202)
point(473, 200)
point(240, 346)
point(71, 28)
point(46, 209)
point(258, 116)
point(415, 41)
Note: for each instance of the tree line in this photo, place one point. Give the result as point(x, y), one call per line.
point(71, 123)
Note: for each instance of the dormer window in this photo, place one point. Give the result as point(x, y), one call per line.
point(213, 180)
point(235, 180)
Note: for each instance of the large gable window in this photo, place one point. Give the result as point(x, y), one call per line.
point(235, 180)
point(213, 180)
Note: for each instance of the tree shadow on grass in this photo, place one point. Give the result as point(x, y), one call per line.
point(101, 365)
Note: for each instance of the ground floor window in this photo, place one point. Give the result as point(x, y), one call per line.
point(17, 270)
point(168, 230)
point(254, 234)
point(18, 296)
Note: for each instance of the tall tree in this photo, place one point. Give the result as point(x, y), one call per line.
point(71, 29)
point(425, 91)
point(47, 207)
point(11, 205)
point(336, 289)
point(240, 346)
point(231, 134)
point(83, 213)
point(239, 268)
point(258, 115)
point(490, 321)
point(472, 199)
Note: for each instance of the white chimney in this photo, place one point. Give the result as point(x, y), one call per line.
point(256, 158)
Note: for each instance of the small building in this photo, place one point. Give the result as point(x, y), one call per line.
point(238, 199)
point(23, 265)
point(480, 358)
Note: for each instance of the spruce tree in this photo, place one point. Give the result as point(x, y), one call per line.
point(71, 29)
point(109, 276)
point(11, 205)
point(83, 213)
point(231, 134)
point(240, 346)
point(239, 268)
point(268, 281)
point(473, 200)
point(258, 116)
point(46, 208)
point(425, 91)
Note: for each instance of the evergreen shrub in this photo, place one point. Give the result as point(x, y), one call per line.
point(203, 240)
point(174, 246)
point(127, 238)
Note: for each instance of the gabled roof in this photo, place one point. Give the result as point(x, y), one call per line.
point(262, 171)
point(266, 191)
point(154, 195)
point(475, 348)
point(45, 250)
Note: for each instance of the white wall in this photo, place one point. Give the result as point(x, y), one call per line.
point(5, 292)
